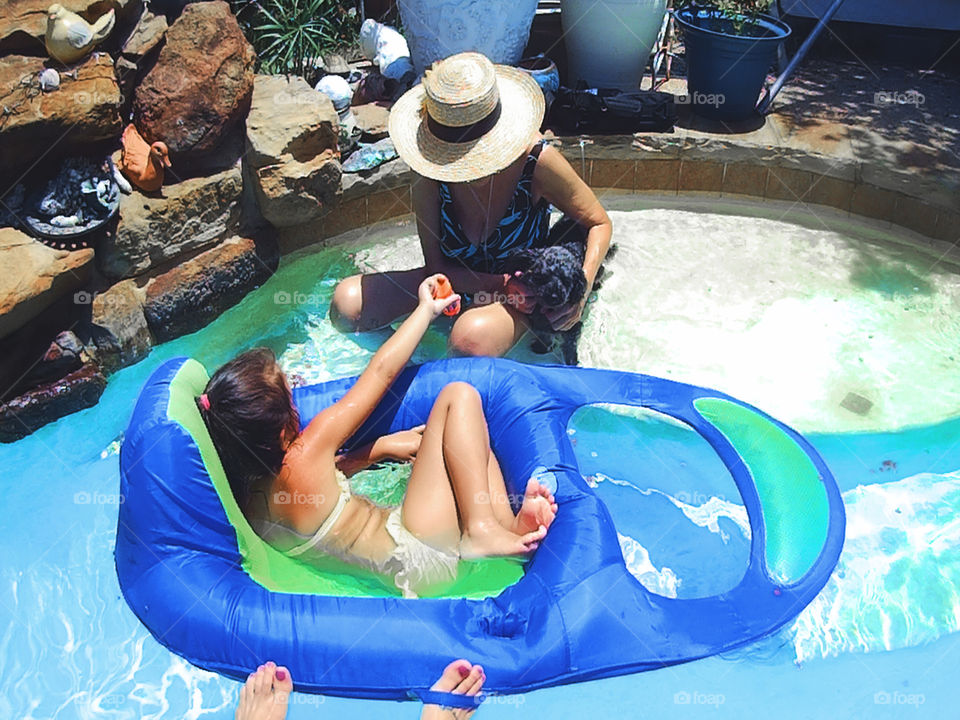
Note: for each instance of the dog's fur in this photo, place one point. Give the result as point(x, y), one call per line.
point(553, 271)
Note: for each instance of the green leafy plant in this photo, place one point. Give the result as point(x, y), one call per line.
point(737, 17)
point(289, 35)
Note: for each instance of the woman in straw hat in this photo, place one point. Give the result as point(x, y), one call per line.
point(470, 131)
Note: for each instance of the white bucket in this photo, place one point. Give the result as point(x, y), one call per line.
point(609, 41)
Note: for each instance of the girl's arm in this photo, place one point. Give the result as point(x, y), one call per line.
point(331, 428)
point(426, 208)
point(559, 183)
point(401, 446)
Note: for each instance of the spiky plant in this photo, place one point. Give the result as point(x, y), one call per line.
point(736, 15)
point(289, 35)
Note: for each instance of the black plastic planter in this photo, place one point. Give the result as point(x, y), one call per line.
point(727, 60)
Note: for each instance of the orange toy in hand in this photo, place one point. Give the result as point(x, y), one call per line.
point(445, 289)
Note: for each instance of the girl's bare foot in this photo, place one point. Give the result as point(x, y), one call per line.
point(459, 678)
point(265, 693)
point(538, 508)
point(491, 539)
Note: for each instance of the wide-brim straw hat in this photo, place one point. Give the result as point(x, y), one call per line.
point(467, 119)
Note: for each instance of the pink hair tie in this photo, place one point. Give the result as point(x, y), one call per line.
point(205, 402)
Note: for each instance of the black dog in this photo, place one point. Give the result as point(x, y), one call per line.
point(553, 272)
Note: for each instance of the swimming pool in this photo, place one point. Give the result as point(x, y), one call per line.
point(779, 314)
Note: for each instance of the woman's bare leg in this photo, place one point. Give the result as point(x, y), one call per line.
point(374, 300)
point(450, 482)
point(488, 330)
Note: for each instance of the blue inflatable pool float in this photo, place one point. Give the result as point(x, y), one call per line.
point(183, 566)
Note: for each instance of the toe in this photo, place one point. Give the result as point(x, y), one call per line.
point(477, 686)
point(535, 536)
point(472, 678)
point(282, 682)
point(453, 675)
point(262, 681)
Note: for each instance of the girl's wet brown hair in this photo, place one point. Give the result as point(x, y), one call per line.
point(249, 408)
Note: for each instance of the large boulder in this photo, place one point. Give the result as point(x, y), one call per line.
point(187, 297)
point(33, 276)
point(23, 23)
point(85, 108)
point(153, 230)
point(117, 327)
point(25, 413)
point(201, 85)
point(291, 144)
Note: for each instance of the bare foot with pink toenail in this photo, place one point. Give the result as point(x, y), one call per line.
point(459, 678)
point(265, 694)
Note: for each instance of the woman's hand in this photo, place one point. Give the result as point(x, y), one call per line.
point(434, 305)
point(564, 318)
point(402, 446)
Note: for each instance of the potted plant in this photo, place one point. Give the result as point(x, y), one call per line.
point(730, 45)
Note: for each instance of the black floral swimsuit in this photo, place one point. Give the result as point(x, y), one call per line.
point(523, 225)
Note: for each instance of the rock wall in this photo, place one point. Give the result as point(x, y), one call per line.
point(175, 258)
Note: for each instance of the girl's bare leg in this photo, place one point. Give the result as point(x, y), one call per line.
point(499, 498)
point(450, 482)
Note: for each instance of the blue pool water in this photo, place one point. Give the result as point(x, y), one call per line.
point(880, 641)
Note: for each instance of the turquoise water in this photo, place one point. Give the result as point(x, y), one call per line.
point(880, 641)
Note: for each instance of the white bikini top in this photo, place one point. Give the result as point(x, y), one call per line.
point(281, 536)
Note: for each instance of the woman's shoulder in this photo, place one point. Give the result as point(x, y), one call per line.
point(550, 169)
